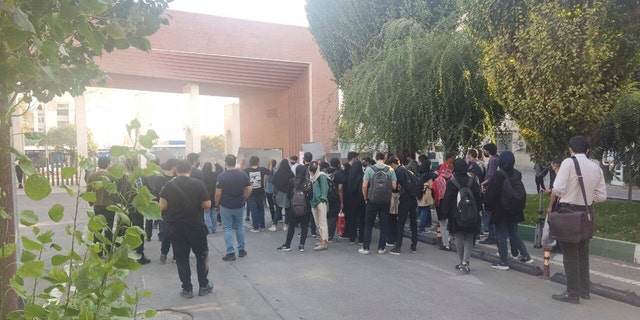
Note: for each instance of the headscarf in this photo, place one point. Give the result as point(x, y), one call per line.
point(440, 183)
point(460, 167)
point(355, 175)
point(282, 176)
point(506, 160)
point(301, 175)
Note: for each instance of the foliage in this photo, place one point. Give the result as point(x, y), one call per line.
point(620, 133)
point(212, 143)
point(86, 280)
point(554, 65)
point(48, 48)
point(61, 138)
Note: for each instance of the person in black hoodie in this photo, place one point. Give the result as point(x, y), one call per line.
point(356, 205)
point(464, 235)
point(506, 222)
point(210, 176)
point(281, 179)
point(299, 182)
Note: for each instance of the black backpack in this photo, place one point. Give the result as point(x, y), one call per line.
point(299, 201)
point(333, 196)
point(514, 196)
point(415, 186)
point(380, 186)
point(467, 213)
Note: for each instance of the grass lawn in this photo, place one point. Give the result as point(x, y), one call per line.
point(615, 219)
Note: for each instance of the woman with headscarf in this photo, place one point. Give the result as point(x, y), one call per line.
point(354, 213)
point(281, 187)
point(319, 203)
point(299, 182)
point(439, 189)
point(464, 234)
point(210, 177)
point(506, 222)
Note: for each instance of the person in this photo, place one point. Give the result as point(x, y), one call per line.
point(406, 209)
point(567, 187)
point(412, 164)
point(319, 203)
point(553, 206)
point(269, 189)
point(104, 199)
point(184, 198)
point(19, 176)
point(373, 210)
point(439, 189)
point(464, 234)
point(169, 173)
point(255, 203)
point(307, 157)
point(540, 172)
point(338, 178)
point(233, 188)
point(209, 178)
point(475, 169)
point(490, 151)
point(194, 160)
point(128, 189)
point(424, 204)
point(299, 182)
point(354, 203)
point(505, 221)
point(293, 161)
point(151, 183)
point(281, 179)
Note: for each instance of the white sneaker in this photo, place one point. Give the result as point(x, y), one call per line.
point(272, 228)
point(382, 251)
point(285, 227)
point(363, 251)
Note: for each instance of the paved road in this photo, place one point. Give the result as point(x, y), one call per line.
point(341, 284)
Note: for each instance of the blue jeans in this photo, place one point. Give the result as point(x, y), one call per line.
point(504, 230)
point(487, 226)
point(255, 204)
point(424, 214)
point(373, 210)
point(232, 219)
point(211, 219)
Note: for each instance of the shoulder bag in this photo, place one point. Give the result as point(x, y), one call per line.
point(573, 224)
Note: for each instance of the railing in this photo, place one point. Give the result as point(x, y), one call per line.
point(53, 172)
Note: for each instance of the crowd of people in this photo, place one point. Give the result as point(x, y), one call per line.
point(478, 195)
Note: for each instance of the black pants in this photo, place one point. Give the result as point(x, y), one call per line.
point(148, 228)
point(163, 234)
point(109, 216)
point(137, 219)
point(304, 227)
point(272, 206)
point(186, 238)
point(407, 209)
point(576, 266)
point(382, 212)
point(354, 217)
point(540, 183)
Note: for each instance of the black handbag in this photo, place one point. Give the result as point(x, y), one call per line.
point(573, 224)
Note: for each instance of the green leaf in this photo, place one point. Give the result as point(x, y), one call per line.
point(58, 275)
point(150, 313)
point(37, 136)
point(118, 151)
point(117, 170)
point(21, 19)
point(28, 218)
point(7, 249)
point(56, 213)
point(123, 219)
point(31, 245)
point(46, 237)
point(69, 191)
point(115, 30)
point(32, 269)
point(4, 214)
point(88, 196)
point(34, 311)
point(132, 237)
point(68, 172)
point(37, 187)
point(27, 256)
point(59, 259)
point(130, 299)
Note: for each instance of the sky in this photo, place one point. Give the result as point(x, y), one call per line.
point(118, 105)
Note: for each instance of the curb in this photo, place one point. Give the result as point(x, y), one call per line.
point(623, 296)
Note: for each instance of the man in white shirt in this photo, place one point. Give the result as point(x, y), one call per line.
point(567, 187)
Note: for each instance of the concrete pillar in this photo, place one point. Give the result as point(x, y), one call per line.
point(17, 132)
point(192, 125)
point(81, 126)
point(141, 105)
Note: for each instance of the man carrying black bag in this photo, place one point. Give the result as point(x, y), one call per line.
point(573, 196)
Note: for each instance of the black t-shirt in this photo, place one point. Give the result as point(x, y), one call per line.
point(186, 206)
point(197, 174)
point(233, 183)
point(257, 177)
point(339, 177)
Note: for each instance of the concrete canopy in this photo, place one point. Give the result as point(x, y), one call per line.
point(285, 88)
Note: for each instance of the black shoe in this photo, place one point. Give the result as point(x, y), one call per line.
point(229, 257)
point(444, 248)
point(585, 296)
point(566, 297)
point(143, 260)
point(242, 253)
point(487, 241)
point(205, 290)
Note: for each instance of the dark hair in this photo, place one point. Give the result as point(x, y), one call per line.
point(313, 166)
point(379, 156)
point(473, 153)
point(183, 166)
point(392, 160)
point(556, 161)
point(103, 162)
point(491, 148)
point(294, 158)
point(193, 157)
point(449, 155)
point(254, 161)
point(170, 163)
point(307, 157)
point(334, 162)
point(411, 156)
point(422, 158)
point(230, 160)
point(351, 155)
point(579, 144)
point(273, 163)
point(323, 165)
point(207, 167)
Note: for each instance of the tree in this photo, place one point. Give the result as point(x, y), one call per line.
point(620, 134)
point(64, 138)
point(212, 143)
point(555, 65)
point(409, 78)
point(48, 48)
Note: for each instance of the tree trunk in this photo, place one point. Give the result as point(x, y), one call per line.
point(630, 189)
point(7, 227)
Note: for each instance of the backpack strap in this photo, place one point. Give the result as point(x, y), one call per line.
point(469, 182)
point(581, 181)
point(455, 183)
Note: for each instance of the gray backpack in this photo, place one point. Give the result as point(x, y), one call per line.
point(380, 186)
